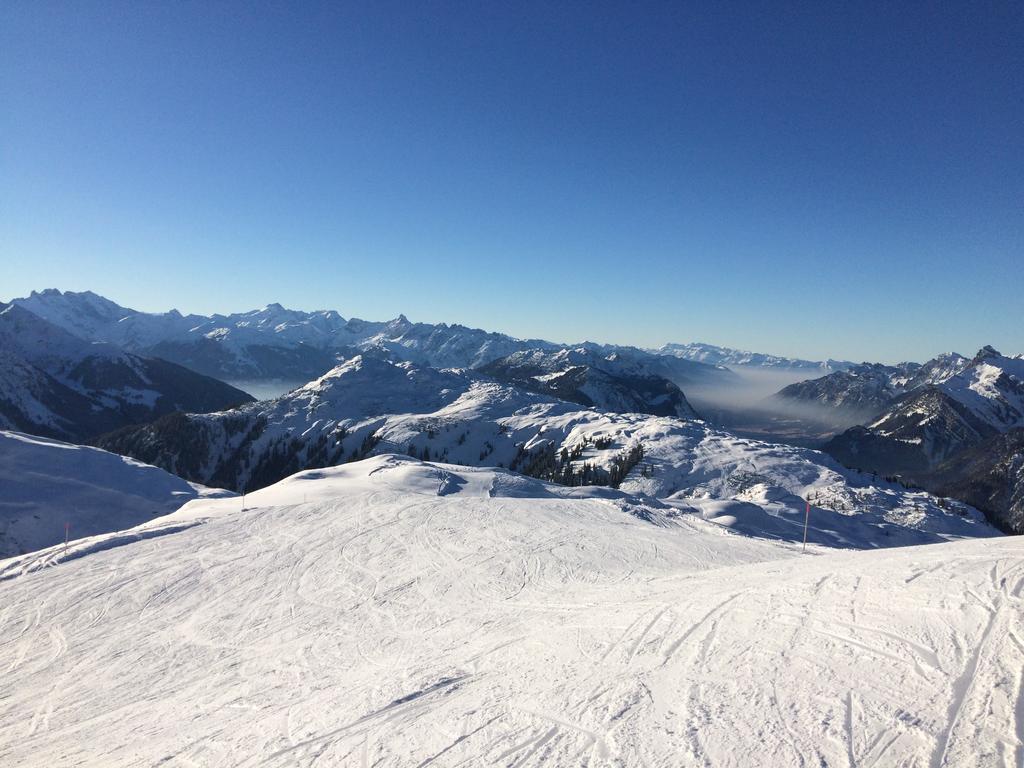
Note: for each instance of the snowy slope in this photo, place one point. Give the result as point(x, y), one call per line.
point(370, 405)
point(32, 399)
point(47, 483)
point(396, 613)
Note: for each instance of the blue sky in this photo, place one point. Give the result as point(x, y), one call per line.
point(820, 179)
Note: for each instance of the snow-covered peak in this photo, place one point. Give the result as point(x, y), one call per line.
point(367, 385)
point(988, 352)
point(46, 344)
point(583, 375)
point(84, 313)
point(938, 369)
point(992, 387)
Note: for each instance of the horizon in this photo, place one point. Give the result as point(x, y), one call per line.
point(806, 182)
point(833, 358)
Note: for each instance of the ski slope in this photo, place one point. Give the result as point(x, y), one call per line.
point(46, 484)
point(395, 612)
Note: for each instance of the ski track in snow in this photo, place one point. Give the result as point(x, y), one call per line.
point(381, 623)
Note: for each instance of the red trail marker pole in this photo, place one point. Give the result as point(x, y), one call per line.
point(807, 519)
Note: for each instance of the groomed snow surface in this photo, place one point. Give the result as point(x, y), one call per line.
point(394, 612)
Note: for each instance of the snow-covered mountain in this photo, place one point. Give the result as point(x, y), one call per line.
point(712, 355)
point(935, 423)
point(985, 398)
point(273, 342)
point(56, 384)
point(989, 475)
point(583, 376)
point(861, 392)
point(393, 612)
point(855, 395)
point(47, 484)
point(278, 344)
point(371, 405)
point(686, 374)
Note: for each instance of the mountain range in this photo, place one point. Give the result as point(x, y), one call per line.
point(78, 366)
point(863, 391)
point(618, 382)
point(56, 384)
point(713, 355)
point(370, 406)
point(274, 343)
point(949, 425)
point(269, 343)
point(542, 556)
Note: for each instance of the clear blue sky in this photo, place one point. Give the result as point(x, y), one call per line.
point(819, 179)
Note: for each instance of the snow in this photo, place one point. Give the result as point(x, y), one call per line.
point(24, 389)
point(993, 390)
point(240, 336)
point(392, 612)
point(976, 401)
point(714, 355)
point(464, 418)
point(47, 483)
point(47, 345)
point(94, 317)
point(56, 383)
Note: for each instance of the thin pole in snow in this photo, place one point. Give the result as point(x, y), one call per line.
point(807, 519)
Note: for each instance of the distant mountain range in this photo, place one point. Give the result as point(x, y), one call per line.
point(712, 355)
point(56, 384)
point(275, 343)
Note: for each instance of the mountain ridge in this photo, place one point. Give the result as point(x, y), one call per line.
point(928, 427)
point(716, 355)
point(58, 385)
point(371, 406)
point(279, 343)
